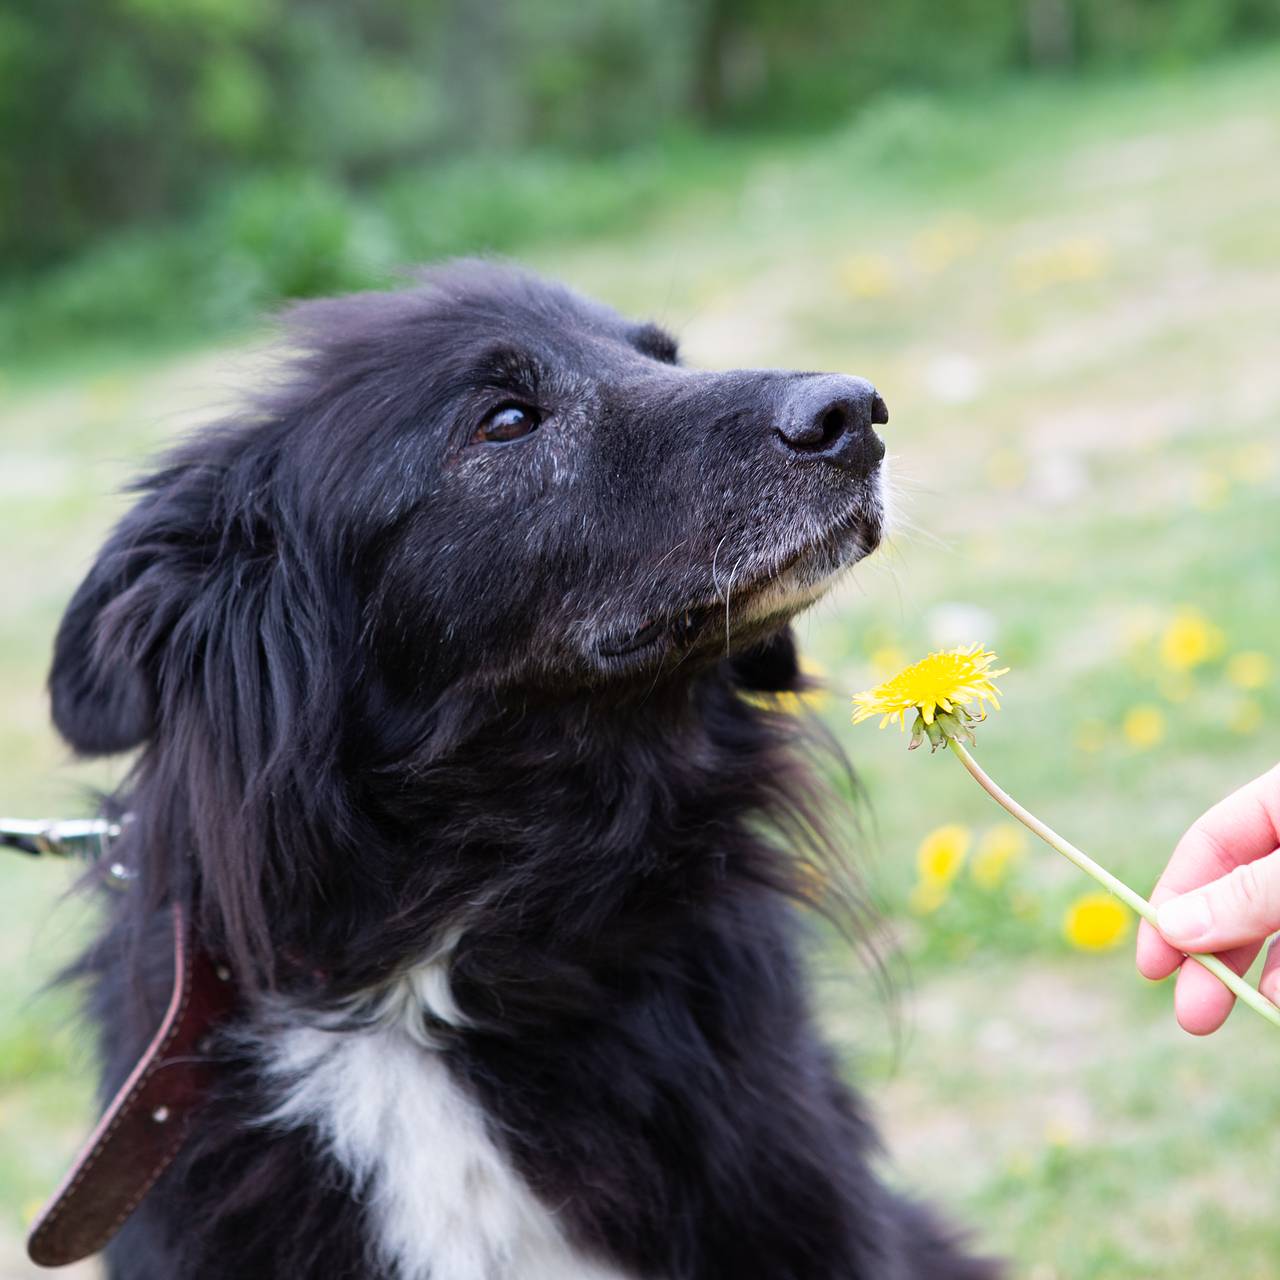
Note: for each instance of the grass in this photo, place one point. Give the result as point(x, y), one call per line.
point(1066, 294)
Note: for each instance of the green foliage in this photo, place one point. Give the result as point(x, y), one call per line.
point(267, 238)
point(123, 113)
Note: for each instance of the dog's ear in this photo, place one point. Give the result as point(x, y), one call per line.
point(209, 628)
point(772, 666)
point(101, 702)
point(102, 682)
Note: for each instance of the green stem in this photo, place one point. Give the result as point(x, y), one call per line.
point(1227, 976)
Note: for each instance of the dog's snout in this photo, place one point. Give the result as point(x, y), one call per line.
point(830, 419)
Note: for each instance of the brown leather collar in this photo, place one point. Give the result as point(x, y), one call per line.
point(146, 1122)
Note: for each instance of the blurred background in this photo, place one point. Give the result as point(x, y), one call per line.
point(1049, 230)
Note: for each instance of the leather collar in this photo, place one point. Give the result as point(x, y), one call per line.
point(146, 1123)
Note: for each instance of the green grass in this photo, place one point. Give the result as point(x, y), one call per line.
point(1067, 295)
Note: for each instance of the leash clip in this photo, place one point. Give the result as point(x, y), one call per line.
point(66, 838)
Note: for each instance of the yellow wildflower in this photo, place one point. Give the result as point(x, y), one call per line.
point(1249, 670)
point(927, 896)
point(955, 678)
point(1000, 847)
point(1144, 726)
point(1095, 922)
point(942, 853)
point(1189, 640)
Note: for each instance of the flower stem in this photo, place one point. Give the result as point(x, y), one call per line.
point(1229, 978)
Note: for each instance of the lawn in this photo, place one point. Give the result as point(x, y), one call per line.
point(1068, 296)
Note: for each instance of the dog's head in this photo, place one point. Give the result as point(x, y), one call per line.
point(488, 476)
point(485, 481)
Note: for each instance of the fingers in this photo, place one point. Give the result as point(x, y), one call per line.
point(1200, 1001)
point(1243, 827)
point(1155, 957)
point(1238, 908)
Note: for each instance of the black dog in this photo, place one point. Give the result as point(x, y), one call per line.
point(436, 659)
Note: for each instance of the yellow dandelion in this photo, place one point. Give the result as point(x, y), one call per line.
point(1095, 922)
point(927, 896)
point(998, 849)
point(1144, 726)
point(946, 681)
point(1189, 641)
point(939, 689)
point(942, 853)
point(1249, 670)
point(867, 276)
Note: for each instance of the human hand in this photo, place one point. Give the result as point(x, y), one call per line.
point(1220, 893)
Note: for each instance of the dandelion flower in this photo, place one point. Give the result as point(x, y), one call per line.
point(940, 690)
point(998, 849)
point(926, 897)
point(1144, 726)
point(1188, 641)
point(1249, 670)
point(942, 853)
point(1095, 922)
point(943, 682)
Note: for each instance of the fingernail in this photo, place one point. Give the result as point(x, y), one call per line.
point(1185, 919)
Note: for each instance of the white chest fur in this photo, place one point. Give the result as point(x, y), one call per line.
point(443, 1200)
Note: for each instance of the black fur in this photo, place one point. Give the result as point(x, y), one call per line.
point(391, 678)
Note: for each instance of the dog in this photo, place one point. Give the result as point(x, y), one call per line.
point(442, 661)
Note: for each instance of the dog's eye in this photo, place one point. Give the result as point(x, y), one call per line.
point(507, 422)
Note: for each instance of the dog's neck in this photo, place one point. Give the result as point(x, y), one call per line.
point(560, 840)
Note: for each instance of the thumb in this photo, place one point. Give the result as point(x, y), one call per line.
point(1241, 907)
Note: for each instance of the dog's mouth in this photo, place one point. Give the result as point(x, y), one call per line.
point(791, 583)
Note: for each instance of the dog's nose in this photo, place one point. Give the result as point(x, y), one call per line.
point(830, 419)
